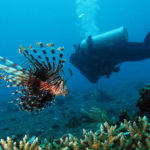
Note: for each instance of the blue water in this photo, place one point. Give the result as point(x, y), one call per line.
point(67, 22)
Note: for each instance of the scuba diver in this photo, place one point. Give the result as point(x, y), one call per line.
point(101, 55)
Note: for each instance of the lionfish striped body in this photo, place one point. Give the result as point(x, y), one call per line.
point(38, 85)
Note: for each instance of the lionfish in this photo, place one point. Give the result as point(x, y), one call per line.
point(38, 85)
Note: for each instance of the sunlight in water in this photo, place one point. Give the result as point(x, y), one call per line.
point(86, 11)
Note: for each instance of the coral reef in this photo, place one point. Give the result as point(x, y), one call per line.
point(144, 102)
point(73, 122)
point(94, 116)
point(123, 114)
point(128, 135)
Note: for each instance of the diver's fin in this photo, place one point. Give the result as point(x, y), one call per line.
point(147, 39)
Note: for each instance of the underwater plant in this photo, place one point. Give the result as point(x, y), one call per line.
point(38, 85)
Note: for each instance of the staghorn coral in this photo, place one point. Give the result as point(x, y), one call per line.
point(129, 135)
point(22, 145)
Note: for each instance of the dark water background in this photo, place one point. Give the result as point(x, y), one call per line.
point(26, 22)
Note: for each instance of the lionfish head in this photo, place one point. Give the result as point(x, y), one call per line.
point(61, 89)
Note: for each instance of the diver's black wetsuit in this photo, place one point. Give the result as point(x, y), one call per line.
point(95, 63)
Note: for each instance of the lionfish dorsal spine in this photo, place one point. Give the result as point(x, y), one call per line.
point(61, 49)
point(27, 57)
point(47, 59)
point(32, 59)
point(48, 66)
point(51, 45)
point(62, 63)
point(42, 63)
point(70, 72)
point(53, 57)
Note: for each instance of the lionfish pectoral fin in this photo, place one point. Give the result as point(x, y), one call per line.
point(8, 62)
point(1, 77)
point(10, 70)
point(18, 91)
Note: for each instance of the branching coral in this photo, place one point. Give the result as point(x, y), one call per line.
point(22, 145)
point(129, 135)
